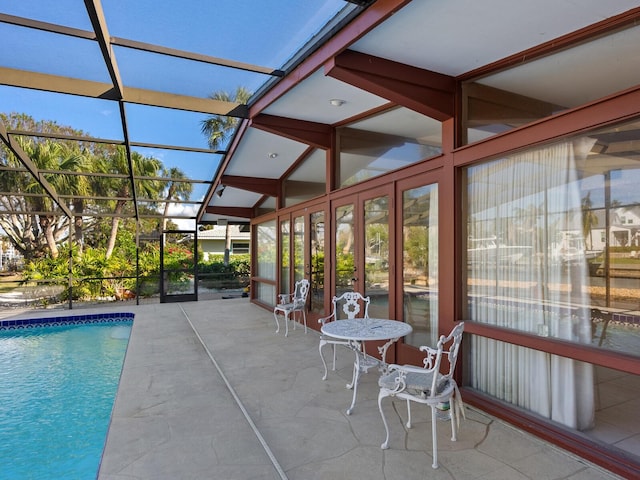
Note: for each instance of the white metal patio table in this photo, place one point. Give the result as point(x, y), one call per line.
point(359, 330)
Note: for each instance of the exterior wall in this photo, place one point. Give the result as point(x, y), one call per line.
point(214, 241)
point(448, 171)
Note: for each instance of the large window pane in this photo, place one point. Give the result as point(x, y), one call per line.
point(317, 262)
point(298, 248)
point(420, 263)
point(308, 180)
point(553, 240)
point(385, 142)
point(345, 249)
point(546, 85)
point(376, 244)
point(598, 402)
point(266, 261)
point(266, 249)
point(285, 255)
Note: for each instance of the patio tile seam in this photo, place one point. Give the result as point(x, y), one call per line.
point(236, 398)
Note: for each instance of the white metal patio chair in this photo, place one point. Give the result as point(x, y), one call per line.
point(348, 305)
point(427, 385)
point(292, 304)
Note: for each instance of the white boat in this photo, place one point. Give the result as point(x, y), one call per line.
point(571, 249)
point(490, 251)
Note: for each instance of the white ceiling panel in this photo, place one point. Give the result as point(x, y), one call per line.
point(310, 100)
point(254, 156)
point(456, 36)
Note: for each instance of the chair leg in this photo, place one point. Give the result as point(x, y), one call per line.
point(304, 315)
point(354, 376)
point(322, 344)
point(434, 436)
point(357, 370)
point(275, 315)
point(286, 324)
point(382, 395)
point(408, 413)
point(452, 415)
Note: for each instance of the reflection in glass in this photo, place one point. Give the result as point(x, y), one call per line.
point(308, 180)
point(420, 263)
point(523, 214)
point(345, 249)
point(298, 248)
point(552, 250)
point(553, 239)
point(285, 265)
point(386, 142)
point(317, 262)
point(492, 110)
point(266, 261)
point(512, 97)
point(376, 244)
point(266, 235)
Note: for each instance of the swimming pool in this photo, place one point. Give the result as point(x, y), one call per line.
point(58, 380)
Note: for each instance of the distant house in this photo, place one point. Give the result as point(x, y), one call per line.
point(212, 242)
point(10, 258)
point(624, 228)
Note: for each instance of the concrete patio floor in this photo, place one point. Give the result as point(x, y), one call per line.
point(210, 391)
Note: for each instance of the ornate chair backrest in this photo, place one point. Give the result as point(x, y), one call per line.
point(454, 339)
point(300, 293)
point(433, 358)
point(354, 305)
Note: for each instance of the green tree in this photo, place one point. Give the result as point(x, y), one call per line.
point(121, 188)
point(48, 155)
point(76, 160)
point(219, 128)
point(589, 219)
point(30, 233)
point(176, 189)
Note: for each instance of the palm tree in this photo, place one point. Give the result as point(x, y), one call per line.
point(589, 219)
point(75, 160)
point(122, 188)
point(176, 190)
point(219, 128)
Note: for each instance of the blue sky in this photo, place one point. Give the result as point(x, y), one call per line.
point(261, 32)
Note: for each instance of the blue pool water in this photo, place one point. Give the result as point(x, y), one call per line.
point(57, 388)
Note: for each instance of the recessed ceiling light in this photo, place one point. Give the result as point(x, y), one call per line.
point(273, 155)
point(336, 102)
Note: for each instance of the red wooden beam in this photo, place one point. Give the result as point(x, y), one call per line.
point(312, 133)
point(264, 186)
point(424, 91)
point(242, 212)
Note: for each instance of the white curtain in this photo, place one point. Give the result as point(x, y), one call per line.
point(527, 203)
